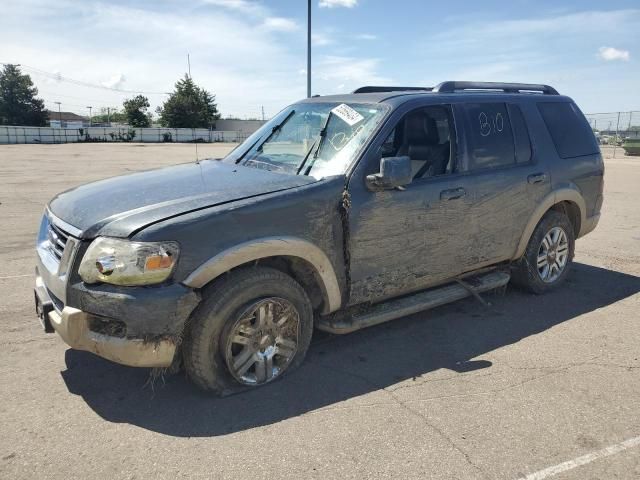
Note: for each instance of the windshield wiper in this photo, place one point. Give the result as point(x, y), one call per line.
point(239, 159)
point(273, 131)
point(315, 147)
point(276, 128)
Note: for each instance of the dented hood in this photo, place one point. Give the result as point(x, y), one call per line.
point(122, 205)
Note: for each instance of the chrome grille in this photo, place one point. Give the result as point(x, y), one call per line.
point(57, 244)
point(57, 240)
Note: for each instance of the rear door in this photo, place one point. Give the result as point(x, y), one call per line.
point(505, 180)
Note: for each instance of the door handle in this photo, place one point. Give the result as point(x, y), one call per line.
point(536, 178)
point(452, 194)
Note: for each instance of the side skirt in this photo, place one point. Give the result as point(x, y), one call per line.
point(344, 322)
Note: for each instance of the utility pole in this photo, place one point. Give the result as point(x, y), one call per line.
point(189, 65)
point(309, 49)
point(59, 113)
point(109, 115)
point(90, 107)
point(262, 113)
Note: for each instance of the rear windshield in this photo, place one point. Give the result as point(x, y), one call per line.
point(569, 129)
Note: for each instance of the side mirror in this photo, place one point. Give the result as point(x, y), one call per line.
point(394, 172)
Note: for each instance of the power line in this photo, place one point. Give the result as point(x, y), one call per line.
point(75, 106)
point(99, 105)
point(49, 93)
point(60, 78)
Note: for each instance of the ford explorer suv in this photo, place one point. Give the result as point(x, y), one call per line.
point(340, 213)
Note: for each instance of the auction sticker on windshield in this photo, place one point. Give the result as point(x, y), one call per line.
point(348, 114)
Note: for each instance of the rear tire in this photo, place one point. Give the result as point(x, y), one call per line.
point(253, 327)
point(548, 256)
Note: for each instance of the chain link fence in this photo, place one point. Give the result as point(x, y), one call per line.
point(612, 128)
point(17, 135)
point(615, 127)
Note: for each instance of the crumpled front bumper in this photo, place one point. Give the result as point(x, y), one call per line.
point(73, 326)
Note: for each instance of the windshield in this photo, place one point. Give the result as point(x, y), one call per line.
point(317, 139)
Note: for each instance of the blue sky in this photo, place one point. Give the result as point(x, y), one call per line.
point(253, 53)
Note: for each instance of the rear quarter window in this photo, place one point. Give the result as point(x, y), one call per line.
point(569, 129)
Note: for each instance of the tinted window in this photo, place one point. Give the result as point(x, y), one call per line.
point(521, 135)
point(424, 136)
point(490, 136)
point(569, 129)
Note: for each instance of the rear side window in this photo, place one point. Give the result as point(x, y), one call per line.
point(569, 129)
point(491, 138)
point(521, 134)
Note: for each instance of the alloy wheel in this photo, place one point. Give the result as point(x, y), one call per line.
point(553, 255)
point(262, 341)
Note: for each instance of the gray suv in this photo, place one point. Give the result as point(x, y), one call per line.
point(340, 213)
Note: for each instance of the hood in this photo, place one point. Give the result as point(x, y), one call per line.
point(122, 205)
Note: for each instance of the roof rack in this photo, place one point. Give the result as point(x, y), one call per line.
point(372, 89)
point(451, 87)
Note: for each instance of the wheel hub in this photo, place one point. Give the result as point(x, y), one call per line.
point(262, 341)
point(553, 255)
point(267, 341)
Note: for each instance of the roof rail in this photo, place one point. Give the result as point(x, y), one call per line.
point(451, 87)
point(372, 89)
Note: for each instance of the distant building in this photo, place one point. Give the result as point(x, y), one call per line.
point(246, 127)
point(67, 120)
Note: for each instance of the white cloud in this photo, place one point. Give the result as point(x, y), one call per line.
point(116, 81)
point(321, 39)
point(366, 36)
point(280, 24)
point(348, 72)
point(253, 67)
point(243, 6)
point(510, 50)
point(498, 34)
point(609, 54)
point(337, 3)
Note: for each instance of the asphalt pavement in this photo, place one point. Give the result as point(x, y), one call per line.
point(532, 387)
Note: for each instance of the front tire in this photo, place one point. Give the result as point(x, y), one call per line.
point(547, 259)
point(253, 327)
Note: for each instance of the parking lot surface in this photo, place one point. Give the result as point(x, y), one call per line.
point(531, 387)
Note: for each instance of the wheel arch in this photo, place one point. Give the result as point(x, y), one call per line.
point(566, 200)
point(304, 261)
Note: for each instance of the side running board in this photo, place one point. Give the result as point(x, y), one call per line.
point(417, 302)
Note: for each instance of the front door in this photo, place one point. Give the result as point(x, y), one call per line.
point(407, 239)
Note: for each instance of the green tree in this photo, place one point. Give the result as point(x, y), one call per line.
point(136, 111)
point(189, 106)
point(113, 116)
point(18, 102)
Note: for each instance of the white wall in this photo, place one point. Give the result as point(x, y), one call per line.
point(13, 134)
point(247, 126)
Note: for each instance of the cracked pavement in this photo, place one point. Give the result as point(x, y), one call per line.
point(461, 392)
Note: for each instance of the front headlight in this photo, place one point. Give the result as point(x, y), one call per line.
point(123, 262)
